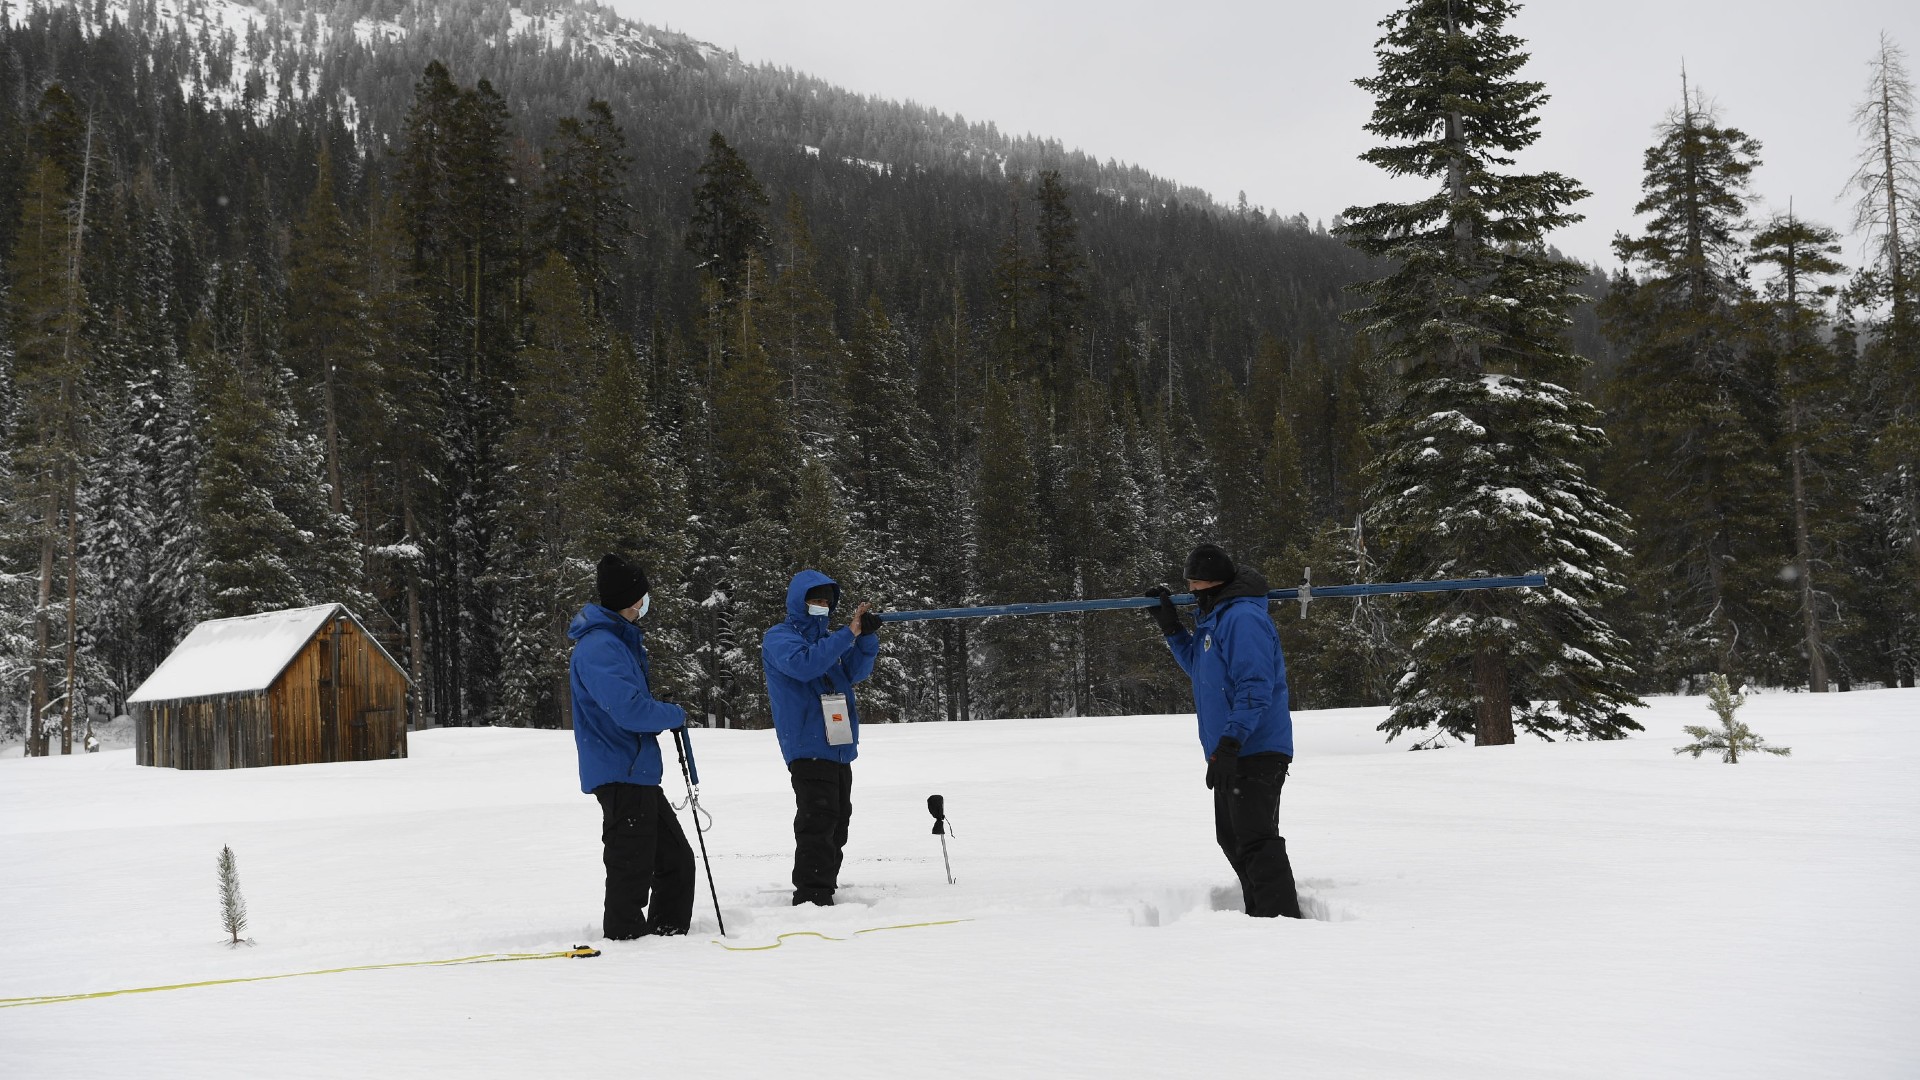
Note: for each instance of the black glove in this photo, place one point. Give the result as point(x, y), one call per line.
point(1224, 765)
point(1165, 615)
point(870, 623)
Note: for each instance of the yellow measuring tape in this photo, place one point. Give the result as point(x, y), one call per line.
point(777, 942)
point(578, 951)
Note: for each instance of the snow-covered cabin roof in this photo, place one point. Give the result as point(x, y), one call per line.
point(239, 655)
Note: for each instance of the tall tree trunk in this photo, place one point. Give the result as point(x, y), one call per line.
point(1493, 700)
point(416, 638)
point(563, 681)
point(73, 609)
point(42, 695)
point(1803, 565)
point(1887, 148)
point(334, 493)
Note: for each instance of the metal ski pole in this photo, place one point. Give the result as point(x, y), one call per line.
point(937, 806)
point(684, 746)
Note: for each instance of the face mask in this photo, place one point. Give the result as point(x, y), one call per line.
point(645, 603)
point(818, 609)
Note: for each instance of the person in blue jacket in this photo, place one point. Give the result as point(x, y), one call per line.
point(810, 678)
point(616, 728)
point(1246, 731)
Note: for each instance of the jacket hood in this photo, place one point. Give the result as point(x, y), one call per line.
point(594, 617)
point(1245, 583)
point(803, 583)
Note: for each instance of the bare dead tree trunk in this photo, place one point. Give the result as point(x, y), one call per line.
point(1493, 704)
point(1894, 267)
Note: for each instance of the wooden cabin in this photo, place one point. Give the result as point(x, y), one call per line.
point(279, 688)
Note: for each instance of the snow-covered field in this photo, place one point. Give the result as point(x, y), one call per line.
point(1580, 910)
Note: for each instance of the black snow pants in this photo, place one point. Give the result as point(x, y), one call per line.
point(646, 853)
point(823, 804)
point(1246, 821)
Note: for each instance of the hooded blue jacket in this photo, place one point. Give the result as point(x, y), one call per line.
point(615, 718)
point(1239, 675)
point(802, 662)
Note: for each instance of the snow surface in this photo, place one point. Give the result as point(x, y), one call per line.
point(1540, 910)
point(233, 656)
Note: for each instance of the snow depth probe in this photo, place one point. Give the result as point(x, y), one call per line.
point(684, 746)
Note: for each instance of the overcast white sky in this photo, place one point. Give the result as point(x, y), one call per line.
point(1257, 95)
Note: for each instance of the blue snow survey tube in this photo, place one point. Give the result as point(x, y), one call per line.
point(1304, 592)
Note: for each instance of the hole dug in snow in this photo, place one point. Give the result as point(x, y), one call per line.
point(1169, 906)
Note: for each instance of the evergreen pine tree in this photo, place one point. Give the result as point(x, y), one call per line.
point(1238, 450)
point(1691, 401)
point(461, 207)
point(541, 555)
point(252, 547)
point(1014, 347)
point(1059, 291)
point(1733, 737)
point(585, 212)
point(754, 451)
point(52, 354)
point(729, 219)
point(325, 326)
point(408, 409)
point(1016, 657)
point(233, 906)
point(819, 532)
point(631, 486)
point(797, 320)
point(1815, 429)
point(1480, 473)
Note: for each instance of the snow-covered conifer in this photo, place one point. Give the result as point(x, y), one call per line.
point(1481, 468)
point(1689, 407)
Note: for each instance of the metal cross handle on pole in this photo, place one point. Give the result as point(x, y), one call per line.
point(691, 773)
point(1306, 593)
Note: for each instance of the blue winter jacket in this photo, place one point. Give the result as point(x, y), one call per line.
point(615, 718)
point(1239, 676)
point(802, 662)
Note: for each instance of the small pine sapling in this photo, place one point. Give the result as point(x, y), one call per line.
point(1733, 736)
point(233, 907)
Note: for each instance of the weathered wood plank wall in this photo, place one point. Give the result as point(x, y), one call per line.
point(340, 699)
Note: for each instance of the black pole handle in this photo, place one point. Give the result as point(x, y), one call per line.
point(937, 806)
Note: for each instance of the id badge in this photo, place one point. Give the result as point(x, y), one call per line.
point(833, 709)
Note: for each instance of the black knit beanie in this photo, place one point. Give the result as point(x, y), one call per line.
point(621, 583)
point(1209, 563)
